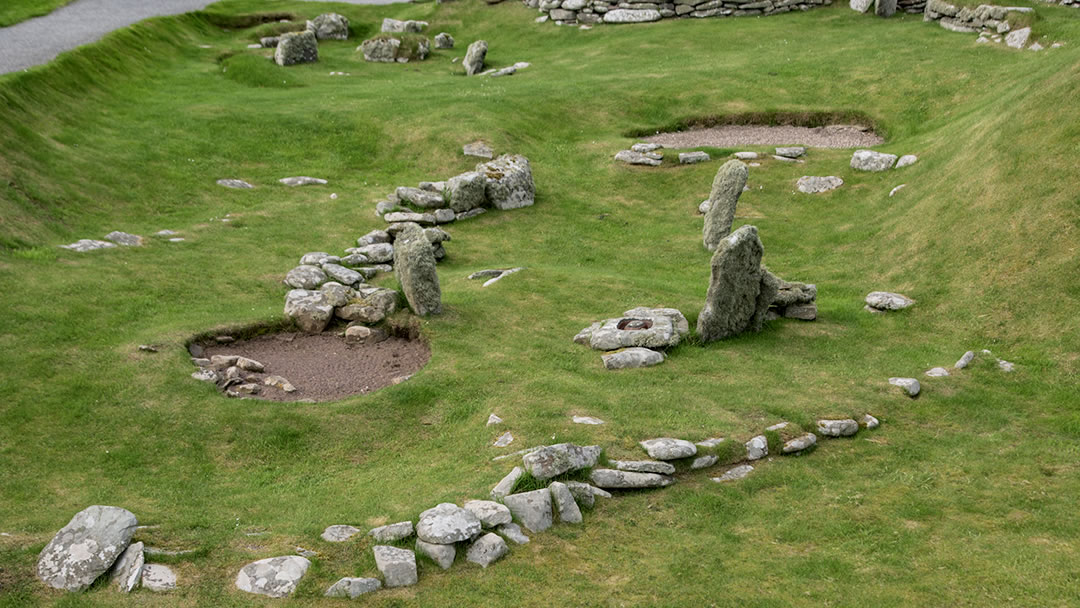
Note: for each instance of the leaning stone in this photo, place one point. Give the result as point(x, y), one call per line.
point(632, 358)
point(447, 523)
point(442, 555)
point(883, 300)
point(553, 460)
point(86, 547)
point(568, 510)
point(352, 588)
point(474, 58)
point(126, 573)
point(414, 265)
point(302, 180)
point(339, 533)
point(397, 566)
point(490, 513)
point(813, 184)
point(690, 158)
point(965, 360)
point(757, 448)
point(666, 448)
point(726, 188)
point(582, 493)
point(631, 16)
point(868, 160)
point(791, 151)
point(238, 184)
point(740, 291)
point(273, 576)
point(910, 385)
point(509, 182)
point(627, 480)
point(513, 533)
point(636, 158)
point(478, 149)
point(506, 485)
point(532, 509)
point(157, 577)
point(124, 238)
point(331, 26)
point(837, 428)
point(800, 443)
point(444, 41)
point(305, 277)
point(1018, 38)
point(487, 550)
point(906, 161)
point(296, 47)
point(308, 309)
point(702, 462)
point(937, 372)
point(869, 422)
point(392, 533)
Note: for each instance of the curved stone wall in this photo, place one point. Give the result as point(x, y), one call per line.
point(589, 12)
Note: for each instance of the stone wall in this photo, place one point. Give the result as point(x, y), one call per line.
point(967, 20)
point(589, 12)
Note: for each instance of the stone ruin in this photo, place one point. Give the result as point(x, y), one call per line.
point(592, 12)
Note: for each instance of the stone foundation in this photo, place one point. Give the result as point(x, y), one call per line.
point(589, 12)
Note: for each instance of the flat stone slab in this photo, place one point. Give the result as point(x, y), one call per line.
point(124, 238)
point(447, 523)
point(487, 550)
point(302, 180)
point(397, 566)
point(627, 480)
point(791, 151)
point(631, 16)
point(86, 547)
point(273, 576)
point(532, 509)
point(352, 588)
point(734, 473)
point(586, 420)
point(339, 533)
point(937, 372)
point(84, 245)
point(637, 158)
point(800, 443)
point(237, 184)
point(810, 184)
point(837, 428)
point(157, 577)
point(553, 460)
point(392, 533)
point(644, 466)
point(667, 448)
point(910, 386)
point(478, 149)
point(690, 158)
point(632, 358)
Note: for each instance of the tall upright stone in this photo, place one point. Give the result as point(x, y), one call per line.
point(474, 57)
point(740, 290)
point(884, 8)
point(726, 189)
point(414, 265)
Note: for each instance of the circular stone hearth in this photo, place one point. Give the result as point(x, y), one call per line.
point(633, 324)
point(323, 367)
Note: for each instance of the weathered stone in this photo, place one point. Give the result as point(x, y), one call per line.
point(506, 485)
point(586, 420)
point(238, 184)
point(249, 365)
point(637, 158)
point(800, 443)
point(702, 462)
point(513, 533)
point(631, 16)
point(337, 294)
point(308, 309)
point(553, 460)
point(442, 555)
point(633, 357)
point(478, 149)
point(653, 331)
point(666, 448)
point(868, 160)
point(644, 466)
point(414, 265)
point(937, 372)
point(358, 334)
point(740, 291)
point(810, 184)
point(644, 148)
point(302, 180)
point(352, 587)
point(532, 509)
point(791, 151)
point(86, 547)
point(883, 300)
point(339, 533)
point(1018, 38)
point(474, 58)
point(627, 480)
point(466, 191)
point(377, 252)
point(126, 573)
point(493, 419)
point(884, 8)
point(273, 576)
point(757, 448)
point(447, 523)
point(735, 473)
point(487, 550)
point(397, 566)
point(392, 533)
point(504, 440)
point(395, 26)
point(375, 237)
point(727, 187)
point(371, 305)
point(331, 26)
point(305, 277)
point(342, 274)
point(861, 6)
point(124, 238)
point(965, 360)
point(1006, 366)
point(509, 182)
point(205, 375)
point(314, 258)
point(507, 71)
point(381, 49)
point(837, 428)
point(297, 47)
point(710, 443)
point(420, 198)
point(444, 41)
point(690, 158)
point(269, 42)
point(157, 577)
point(489, 513)
point(906, 161)
point(909, 385)
point(84, 245)
point(869, 422)
point(565, 505)
point(409, 217)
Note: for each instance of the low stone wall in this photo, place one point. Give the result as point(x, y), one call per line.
point(966, 19)
point(589, 12)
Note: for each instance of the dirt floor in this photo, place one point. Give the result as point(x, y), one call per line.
point(323, 367)
point(831, 136)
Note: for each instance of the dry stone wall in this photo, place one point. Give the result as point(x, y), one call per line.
point(589, 12)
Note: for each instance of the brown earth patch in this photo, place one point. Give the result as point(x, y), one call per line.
point(730, 136)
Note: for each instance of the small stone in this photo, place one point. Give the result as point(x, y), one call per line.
point(910, 385)
point(586, 420)
point(444, 41)
point(800, 443)
point(487, 550)
point(886, 301)
point(84, 245)
point(397, 566)
point(778, 426)
point(279, 383)
point(250, 365)
point(837, 428)
point(702, 462)
point(273, 576)
point(359, 334)
point(1006, 366)
point(302, 181)
point(937, 372)
point(157, 577)
point(392, 533)
point(86, 547)
point(568, 510)
point(757, 448)
point(791, 151)
point(478, 149)
point(507, 71)
point(689, 158)
point(504, 440)
point(238, 184)
point(906, 161)
point(869, 421)
point(645, 148)
point(896, 189)
point(1018, 38)
point(813, 185)
point(710, 443)
point(746, 155)
point(493, 419)
point(553, 460)
point(965, 360)
point(636, 158)
point(632, 358)
point(124, 238)
point(126, 573)
point(644, 466)
point(627, 480)
point(339, 533)
point(513, 533)
point(205, 375)
point(506, 485)
point(666, 448)
point(442, 555)
point(785, 159)
point(352, 588)
point(532, 509)
point(735, 473)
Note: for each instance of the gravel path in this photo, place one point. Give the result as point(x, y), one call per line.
point(41, 39)
point(831, 136)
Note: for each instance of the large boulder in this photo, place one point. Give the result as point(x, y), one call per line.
point(474, 57)
point(466, 191)
point(414, 265)
point(553, 460)
point(331, 26)
point(297, 47)
point(310, 310)
point(273, 576)
point(726, 188)
point(86, 547)
point(446, 524)
point(509, 182)
point(740, 291)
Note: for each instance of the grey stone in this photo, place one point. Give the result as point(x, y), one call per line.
point(470, 214)
point(702, 462)
point(442, 555)
point(631, 16)
point(582, 493)
point(644, 466)
point(507, 71)
point(474, 58)
point(778, 426)
point(631, 358)
point(504, 440)
point(509, 182)
point(314, 258)
point(380, 49)
point(371, 305)
point(86, 547)
point(723, 198)
point(896, 189)
point(553, 460)
point(337, 294)
point(493, 419)
point(813, 184)
point(909, 385)
point(884, 8)
point(869, 421)
point(690, 158)
point(628, 480)
point(273, 576)
point(305, 277)
point(746, 155)
point(532, 509)
point(302, 180)
point(414, 265)
point(861, 6)
point(339, 533)
point(1006, 366)
point(397, 566)
point(644, 148)
point(126, 573)
point(513, 533)
point(358, 334)
point(296, 47)
point(506, 485)
point(269, 42)
point(586, 420)
point(352, 587)
point(487, 550)
point(249, 365)
point(377, 252)
point(478, 149)
point(937, 372)
point(567, 508)
point(392, 533)
point(735, 473)
point(637, 158)
point(331, 26)
point(206, 375)
point(490, 513)
point(906, 161)
point(710, 443)
point(1018, 38)
point(757, 448)
point(666, 448)
point(837, 428)
point(84, 245)
point(740, 291)
point(409, 217)
point(375, 237)
point(444, 41)
point(238, 184)
point(308, 309)
point(124, 238)
point(883, 300)
point(421, 198)
point(447, 523)
point(466, 191)
point(395, 26)
point(965, 360)
point(445, 216)
point(157, 577)
point(342, 274)
point(791, 151)
point(868, 160)
point(800, 443)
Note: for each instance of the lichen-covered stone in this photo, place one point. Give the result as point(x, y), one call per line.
point(86, 547)
point(447, 523)
point(466, 191)
point(489, 512)
point(474, 58)
point(626, 480)
point(532, 509)
point(414, 265)
point(799, 443)
point(381, 49)
point(444, 41)
point(126, 573)
point(631, 358)
point(331, 26)
point(509, 182)
point(308, 309)
point(567, 508)
point(886, 301)
point(305, 276)
point(644, 466)
point(868, 160)
point(398, 566)
point(487, 550)
point(392, 533)
point(667, 448)
point(297, 47)
point(339, 533)
point(553, 460)
point(838, 428)
point(757, 448)
point(352, 587)
point(740, 292)
point(726, 188)
point(273, 576)
point(442, 555)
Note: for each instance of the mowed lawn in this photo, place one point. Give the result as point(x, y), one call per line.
point(964, 496)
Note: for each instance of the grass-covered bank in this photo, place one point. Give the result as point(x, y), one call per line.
point(963, 496)
point(14, 11)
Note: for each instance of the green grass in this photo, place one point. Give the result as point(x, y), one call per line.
point(14, 11)
point(965, 496)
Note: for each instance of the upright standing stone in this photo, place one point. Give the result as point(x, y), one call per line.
point(884, 8)
point(398, 566)
point(331, 26)
point(127, 571)
point(474, 58)
point(86, 547)
point(414, 265)
point(740, 292)
point(726, 189)
point(297, 47)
